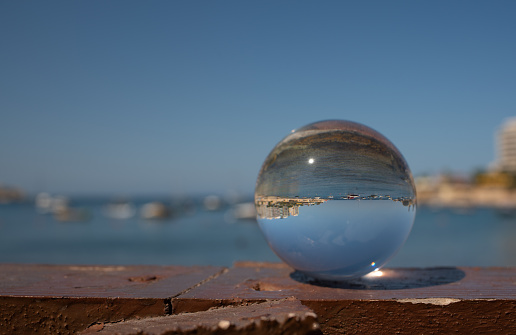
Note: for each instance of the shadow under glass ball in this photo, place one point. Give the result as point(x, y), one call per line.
point(335, 200)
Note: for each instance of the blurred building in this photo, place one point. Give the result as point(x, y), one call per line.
point(495, 187)
point(506, 146)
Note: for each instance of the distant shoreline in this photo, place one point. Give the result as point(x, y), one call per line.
point(466, 196)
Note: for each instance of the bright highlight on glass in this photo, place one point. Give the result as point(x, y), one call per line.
point(346, 212)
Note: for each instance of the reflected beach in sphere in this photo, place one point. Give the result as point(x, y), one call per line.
point(335, 200)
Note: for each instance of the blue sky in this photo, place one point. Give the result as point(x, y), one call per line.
point(175, 97)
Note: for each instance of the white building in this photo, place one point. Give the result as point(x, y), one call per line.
point(506, 146)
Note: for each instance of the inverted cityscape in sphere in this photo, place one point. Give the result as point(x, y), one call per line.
point(335, 200)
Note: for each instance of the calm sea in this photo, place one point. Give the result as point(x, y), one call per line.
point(196, 236)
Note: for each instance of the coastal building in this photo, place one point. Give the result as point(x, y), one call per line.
point(495, 187)
point(271, 207)
point(506, 147)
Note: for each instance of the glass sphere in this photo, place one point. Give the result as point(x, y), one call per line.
point(335, 200)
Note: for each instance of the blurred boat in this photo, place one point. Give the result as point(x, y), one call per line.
point(58, 206)
point(212, 203)
point(72, 215)
point(154, 210)
point(48, 204)
point(242, 211)
point(119, 210)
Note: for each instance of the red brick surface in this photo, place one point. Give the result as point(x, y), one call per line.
point(259, 281)
point(401, 301)
point(67, 299)
point(160, 282)
point(63, 299)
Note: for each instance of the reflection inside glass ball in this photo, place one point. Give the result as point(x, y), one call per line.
point(335, 200)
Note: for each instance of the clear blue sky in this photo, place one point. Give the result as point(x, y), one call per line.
point(176, 97)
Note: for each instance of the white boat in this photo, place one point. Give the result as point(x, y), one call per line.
point(154, 210)
point(119, 210)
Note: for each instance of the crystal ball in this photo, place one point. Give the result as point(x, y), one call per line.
point(335, 200)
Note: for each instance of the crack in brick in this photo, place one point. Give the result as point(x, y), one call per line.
point(202, 282)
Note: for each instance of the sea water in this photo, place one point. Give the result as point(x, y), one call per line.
point(439, 237)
